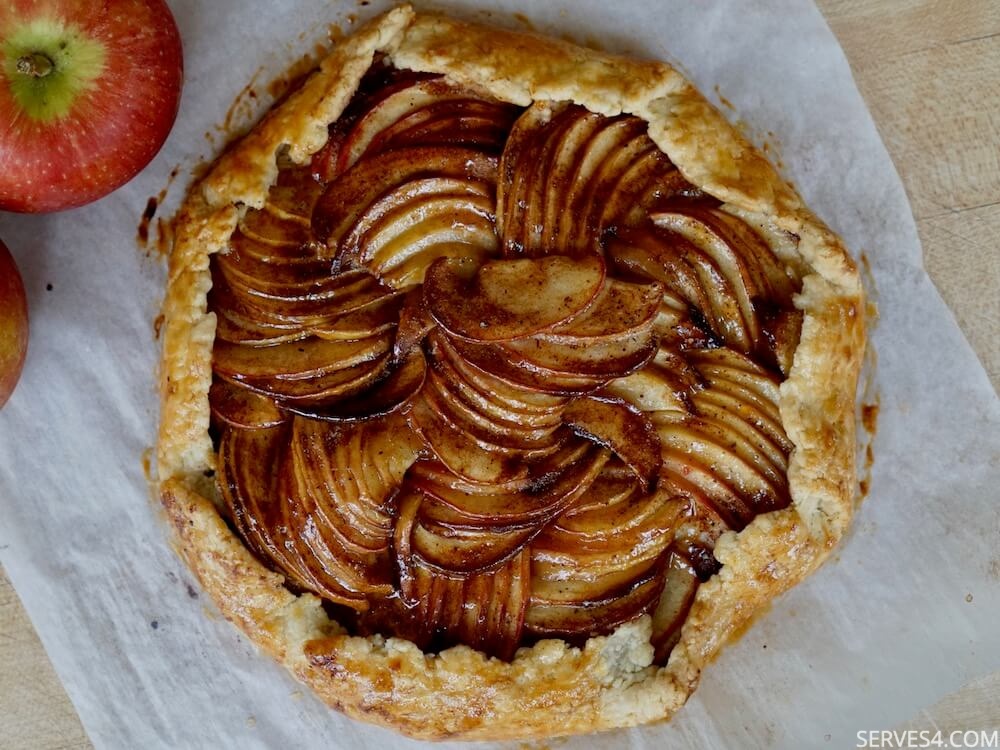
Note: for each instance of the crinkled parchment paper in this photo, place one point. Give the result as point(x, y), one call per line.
point(905, 612)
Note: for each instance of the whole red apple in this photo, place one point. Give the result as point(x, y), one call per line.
point(88, 93)
point(13, 324)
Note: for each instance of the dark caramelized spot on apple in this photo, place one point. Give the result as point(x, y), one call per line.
point(485, 375)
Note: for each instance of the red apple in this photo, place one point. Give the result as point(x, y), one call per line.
point(13, 324)
point(88, 93)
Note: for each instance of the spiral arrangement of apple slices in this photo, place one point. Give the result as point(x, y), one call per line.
point(485, 375)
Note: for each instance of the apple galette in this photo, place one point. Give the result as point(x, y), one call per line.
point(503, 381)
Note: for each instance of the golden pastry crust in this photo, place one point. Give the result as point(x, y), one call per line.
point(551, 688)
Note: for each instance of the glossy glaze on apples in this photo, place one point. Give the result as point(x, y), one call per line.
point(485, 375)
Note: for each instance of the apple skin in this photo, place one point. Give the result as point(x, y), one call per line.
point(13, 324)
point(88, 94)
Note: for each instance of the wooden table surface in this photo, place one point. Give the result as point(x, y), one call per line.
point(930, 72)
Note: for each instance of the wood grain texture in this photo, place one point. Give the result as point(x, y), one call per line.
point(930, 72)
point(35, 713)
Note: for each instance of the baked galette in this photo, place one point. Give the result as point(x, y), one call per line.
point(503, 381)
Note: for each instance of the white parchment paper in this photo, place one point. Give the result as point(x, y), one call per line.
point(907, 611)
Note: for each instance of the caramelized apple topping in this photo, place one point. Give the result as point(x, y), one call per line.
point(484, 375)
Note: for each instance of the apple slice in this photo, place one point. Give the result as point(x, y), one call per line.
point(494, 607)
point(482, 506)
point(426, 112)
point(371, 319)
point(294, 194)
point(506, 299)
point(461, 455)
point(619, 308)
point(665, 384)
point(354, 471)
point(415, 323)
point(403, 232)
point(744, 437)
point(543, 474)
point(732, 374)
point(622, 428)
point(535, 405)
point(485, 610)
point(303, 360)
point(579, 620)
point(247, 459)
point(568, 175)
point(479, 124)
point(520, 155)
point(239, 407)
point(348, 198)
point(507, 365)
point(450, 548)
point(249, 484)
point(473, 539)
point(730, 457)
point(486, 402)
point(275, 229)
point(445, 396)
point(782, 330)
point(599, 359)
point(479, 459)
point(321, 389)
point(391, 394)
point(679, 589)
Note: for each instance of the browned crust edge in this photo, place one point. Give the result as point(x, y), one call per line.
point(550, 689)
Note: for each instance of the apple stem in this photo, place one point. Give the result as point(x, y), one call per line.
point(36, 65)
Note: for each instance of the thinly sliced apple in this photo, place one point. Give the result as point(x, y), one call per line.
point(294, 194)
point(731, 458)
point(348, 197)
point(247, 460)
point(415, 323)
point(484, 610)
point(454, 549)
point(568, 175)
point(309, 359)
point(782, 330)
point(507, 393)
point(763, 270)
point(378, 316)
point(619, 308)
point(743, 437)
point(598, 359)
point(462, 455)
point(508, 365)
point(239, 407)
point(579, 620)
point(479, 459)
point(478, 124)
point(445, 397)
point(268, 228)
point(486, 402)
point(392, 393)
point(506, 299)
point(335, 385)
point(622, 428)
point(406, 116)
point(252, 485)
point(486, 506)
point(664, 384)
point(409, 228)
point(730, 372)
point(679, 588)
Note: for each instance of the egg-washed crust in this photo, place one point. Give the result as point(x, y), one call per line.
point(550, 689)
